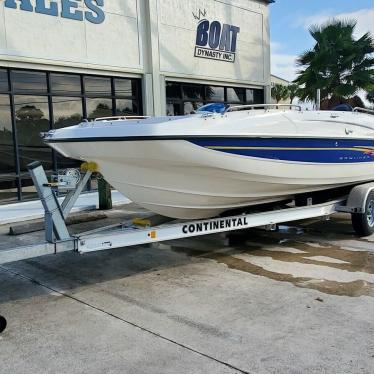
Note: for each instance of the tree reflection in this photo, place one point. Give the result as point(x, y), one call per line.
point(101, 110)
point(65, 121)
point(30, 113)
point(6, 151)
point(31, 121)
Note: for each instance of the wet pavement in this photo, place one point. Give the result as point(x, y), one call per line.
point(299, 300)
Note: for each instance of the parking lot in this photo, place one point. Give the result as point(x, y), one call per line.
point(300, 300)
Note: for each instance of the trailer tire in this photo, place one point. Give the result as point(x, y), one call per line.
point(363, 223)
point(3, 324)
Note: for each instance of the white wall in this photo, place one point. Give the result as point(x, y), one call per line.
point(154, 38)
point(177, 36)
point(33, 37)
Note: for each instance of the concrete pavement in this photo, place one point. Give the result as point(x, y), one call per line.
point(286, 302)
point(30, 210)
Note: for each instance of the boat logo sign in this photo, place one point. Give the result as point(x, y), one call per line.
point(215, 40)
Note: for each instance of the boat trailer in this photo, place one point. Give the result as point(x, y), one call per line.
point(359, 202)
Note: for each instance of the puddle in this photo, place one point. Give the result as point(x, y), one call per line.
point(327, 268)
point(328, 259)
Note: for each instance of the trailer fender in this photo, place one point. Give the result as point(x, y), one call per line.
point(357, 198)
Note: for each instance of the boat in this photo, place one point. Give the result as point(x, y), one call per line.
point(224, 157)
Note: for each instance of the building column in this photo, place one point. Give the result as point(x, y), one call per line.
point(267, 96)
point(153, 81)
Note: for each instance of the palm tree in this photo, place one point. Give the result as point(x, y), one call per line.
point(339, 65)
point(293, 91)
point(279, 92)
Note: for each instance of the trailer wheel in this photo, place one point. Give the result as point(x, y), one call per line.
point(363, 223)
point(3, 324)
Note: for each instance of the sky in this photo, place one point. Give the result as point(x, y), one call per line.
point(290, 20)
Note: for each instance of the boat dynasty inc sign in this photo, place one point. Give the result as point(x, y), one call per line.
point(216, 41)
point(64, 8)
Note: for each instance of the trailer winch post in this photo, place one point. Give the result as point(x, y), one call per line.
point(55, 214)
point(55, 227)
point(73, 195)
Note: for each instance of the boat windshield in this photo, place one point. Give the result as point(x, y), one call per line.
point(213, 108)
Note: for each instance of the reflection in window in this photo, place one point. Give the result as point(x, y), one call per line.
point(67, 111)
point(28, 189)
point(190, 107)
point(235, 95)
point(97, 86)
point(193, 92)
point(258, 96)
point(173, 109)
point(97, 108)
point(214, 93)
point(198, 94)
point(65, 83)
point(8, 191)
point(126, 107)
point(29, 81)
point(124, 87)
point(7, 164)
point(173, 90)
point(250, 99)
point(4, 85)
point(32, 118)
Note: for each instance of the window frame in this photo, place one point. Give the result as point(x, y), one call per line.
point(20, 177)
point(182, 100)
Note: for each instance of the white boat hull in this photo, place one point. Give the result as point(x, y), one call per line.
point(179, 179)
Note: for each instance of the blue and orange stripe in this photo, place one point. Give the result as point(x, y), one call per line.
point(294, 149)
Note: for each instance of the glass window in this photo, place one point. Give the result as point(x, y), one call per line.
point(173, 91)
point(173, 109)
point(126, 107)
point(250, 99)
point(8, 191)
point(67, 111)
point(7, 164)
point(99, 108)
point(97, 86)
point(32, 118)
point(66, 83)
point(4, 84)
point(125, 87)
point(29, 81)
point(258, 96)
point(235, 95)
point(214, 93)
point(190, 107)
point(193, 92)
point(28, 189)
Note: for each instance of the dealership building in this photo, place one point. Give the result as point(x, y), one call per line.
point(65, 60)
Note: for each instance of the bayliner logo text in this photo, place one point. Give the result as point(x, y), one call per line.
point(216, 41)
point(219, 224)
